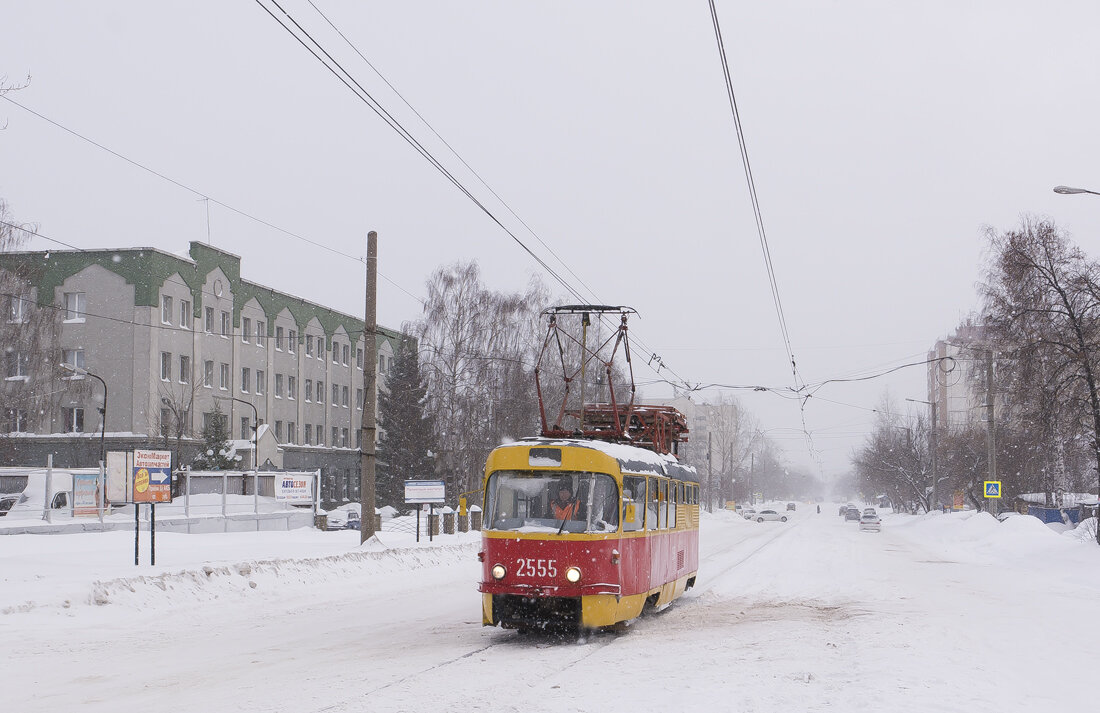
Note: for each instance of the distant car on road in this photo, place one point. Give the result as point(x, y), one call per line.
point(790, 506)
point(851, 514)
point(870, 522)
point(748, 513)
point(844, 509)
point(769, 515)
point(869, 511)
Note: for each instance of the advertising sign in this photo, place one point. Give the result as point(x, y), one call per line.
point(85, 495)
point(294, 489)
point(425, 491)
point(152, 477)
point(959, 500)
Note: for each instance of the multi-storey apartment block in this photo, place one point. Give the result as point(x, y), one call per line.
point(171, 337)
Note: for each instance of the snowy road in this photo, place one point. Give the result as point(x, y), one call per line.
point(943, 613)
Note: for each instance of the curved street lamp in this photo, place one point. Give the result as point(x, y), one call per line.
point(255, 449)
point(1067, 190)
point(80, 371)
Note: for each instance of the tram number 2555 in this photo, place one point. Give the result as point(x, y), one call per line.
point(528, 567)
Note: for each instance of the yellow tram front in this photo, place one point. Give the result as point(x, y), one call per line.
point(584, 534)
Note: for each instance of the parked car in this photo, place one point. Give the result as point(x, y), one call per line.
point(748, 513)
point(769, 515)
point(353, 522)
point(6, 501)
point(790, 506)
point(852, 514)
point(844, 509)
point(870, 522)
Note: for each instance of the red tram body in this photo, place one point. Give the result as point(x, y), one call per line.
point(631, 541)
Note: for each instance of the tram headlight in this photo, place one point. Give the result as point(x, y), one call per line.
point(573, 574)
point(499, 571)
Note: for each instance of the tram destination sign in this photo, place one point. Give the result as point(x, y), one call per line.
point(425, 492)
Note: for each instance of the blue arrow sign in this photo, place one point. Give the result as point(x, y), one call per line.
point(993, 488)
point(159, 477)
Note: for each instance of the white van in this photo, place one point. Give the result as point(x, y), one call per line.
point(55, 487)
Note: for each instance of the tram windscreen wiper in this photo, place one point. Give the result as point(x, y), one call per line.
point(569, 513)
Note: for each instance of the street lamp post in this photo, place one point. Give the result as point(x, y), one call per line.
point(80, 371)
point(1066, 190)
point(255, 451)
point(935, 477)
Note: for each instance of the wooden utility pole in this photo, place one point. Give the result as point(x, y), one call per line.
point(989, 438)
point(367, 455)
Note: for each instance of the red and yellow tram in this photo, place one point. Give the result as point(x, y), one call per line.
point(585, 533)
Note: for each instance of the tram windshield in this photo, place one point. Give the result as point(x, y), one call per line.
point(541, 501)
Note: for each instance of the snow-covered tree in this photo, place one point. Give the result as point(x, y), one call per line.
point(405, 450)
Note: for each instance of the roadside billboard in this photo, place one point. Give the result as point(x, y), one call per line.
point(152, 473)
point(294, 489)
point(86, 495)
point(425, 492)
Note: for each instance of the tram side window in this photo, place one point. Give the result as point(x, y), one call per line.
point(662, 503)
point(672, 502)
point(694, 494)
point(633, 499)
point(651, 506)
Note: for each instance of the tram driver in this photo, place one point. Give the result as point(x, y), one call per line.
point(564, 504)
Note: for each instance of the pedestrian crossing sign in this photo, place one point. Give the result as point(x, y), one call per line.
point(993, 488)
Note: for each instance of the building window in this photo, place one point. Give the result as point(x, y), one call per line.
point(320, 392)
point(335, 353)
point(291, 341)
point(359, 399)
point(166, 309)
point(346, 352)
point(291, 432)
point(227, 326)
point(344, 437)
point(335, 394)
point(245, 429)
point(185, 369)
point(224, 384)
point(261, 333)
point(320, 435)
point(335, 436)
point(279, 431)
point(291, 388)
point(308, 435)
point(381, 363)
point(261, 381)
point(74, 420)
point(320, 347)
point(208, 374)
point(246, 379)
point(17, 365)
point(208, 420)
point(73, 357)
point(74, 306)
point(344, 396)
point(278, 386)
point(359, 358)
point(279, 338)
point(208, 324)
point(309, 345)
point(185, 314)
point(165, 366)
point(18, 308)
point(246, 329)
point(309, 390)
point(17, 420)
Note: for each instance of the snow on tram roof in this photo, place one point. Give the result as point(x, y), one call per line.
point(631, 458)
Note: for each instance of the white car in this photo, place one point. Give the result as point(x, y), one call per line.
point(870, 522)
point(769, 515)
point(748, 514)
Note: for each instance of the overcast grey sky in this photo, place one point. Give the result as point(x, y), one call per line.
point(883, 136)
